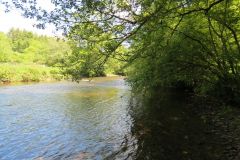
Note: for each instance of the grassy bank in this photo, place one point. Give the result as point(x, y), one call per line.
point(16, 72)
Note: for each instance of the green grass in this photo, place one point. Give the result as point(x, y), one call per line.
point(15, 72)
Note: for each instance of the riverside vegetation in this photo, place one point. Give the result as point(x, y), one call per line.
point(25, 56)
point(28, 57)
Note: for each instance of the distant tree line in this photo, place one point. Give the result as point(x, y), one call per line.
point(25, 56)
point(22, 46)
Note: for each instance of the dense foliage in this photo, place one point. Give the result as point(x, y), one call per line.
point(86, 58)
point(25, 56)
point(183, 43)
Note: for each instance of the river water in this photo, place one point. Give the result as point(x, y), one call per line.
point(98, 120)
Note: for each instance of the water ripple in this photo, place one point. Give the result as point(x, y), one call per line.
point(63, 120)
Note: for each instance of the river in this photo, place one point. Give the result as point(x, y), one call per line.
point(98, 120)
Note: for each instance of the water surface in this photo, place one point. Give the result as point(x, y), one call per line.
point(98, 120)
point(63, 120)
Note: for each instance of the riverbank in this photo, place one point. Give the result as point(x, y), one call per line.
point(22, 74)
point(16, 72)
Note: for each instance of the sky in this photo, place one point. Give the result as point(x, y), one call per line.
point(14, 19)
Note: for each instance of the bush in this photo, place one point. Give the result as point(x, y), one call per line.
point(27, 73)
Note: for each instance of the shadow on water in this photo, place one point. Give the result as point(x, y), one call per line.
point(167, 129)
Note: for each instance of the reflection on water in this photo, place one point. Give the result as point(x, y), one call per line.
point(167, 129)
point(97, 120)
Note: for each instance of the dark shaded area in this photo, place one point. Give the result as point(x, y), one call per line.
point(170, 125)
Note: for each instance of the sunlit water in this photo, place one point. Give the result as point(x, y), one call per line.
point(96, 120)
point(63, 120)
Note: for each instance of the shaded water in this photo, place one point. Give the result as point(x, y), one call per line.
point(97, 120)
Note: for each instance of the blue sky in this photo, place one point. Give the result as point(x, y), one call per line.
point(15, 20)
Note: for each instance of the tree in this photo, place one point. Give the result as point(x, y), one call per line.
point(86, 59)
point(195, 43)
point(20, 39)
point(5, 48)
